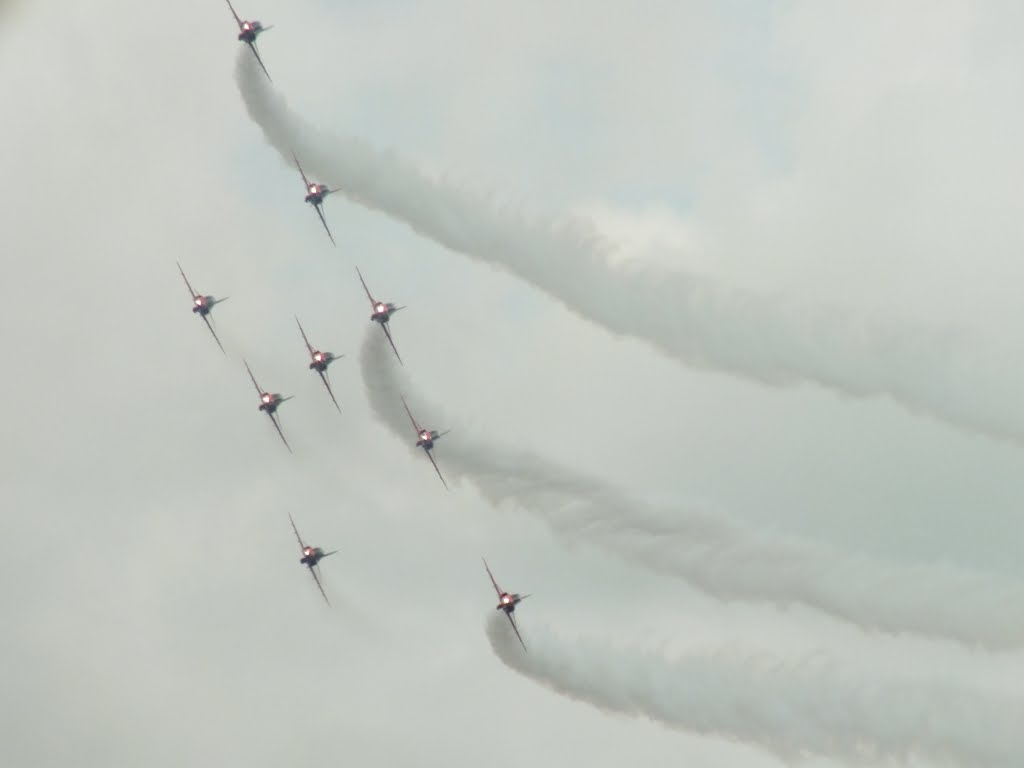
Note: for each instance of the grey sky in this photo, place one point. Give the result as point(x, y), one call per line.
point(157, 614)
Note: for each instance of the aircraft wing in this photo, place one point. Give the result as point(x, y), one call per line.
point(237, 20)
point(259, 60)
point(258, 390)
point(411, 418)
point(308, 345)
point(372, 302)
point(323, 221)
point(493, 582)
point(327, 383)
point(512, 621)
point(296, 530)
point(305, 181)
point(278, 428)
point(387, 332)
point(207, 321)
point(187, 283)
point(431, 457)
point(312, 570)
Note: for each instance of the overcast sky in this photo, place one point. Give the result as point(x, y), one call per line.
point(826, 157)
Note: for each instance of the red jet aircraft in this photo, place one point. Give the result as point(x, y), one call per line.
point(269, 402)
point(311, 557)
point(202, 305)
point(315, 194)
point(320, 361)
point(382, 312)
point(507, 602)
point(425, 439)
point(248, 31)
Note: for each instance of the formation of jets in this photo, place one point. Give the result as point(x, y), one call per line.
point(269, 402)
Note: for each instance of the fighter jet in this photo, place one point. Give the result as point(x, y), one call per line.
point(248, 31)
point(269, 402)
point(320, 361)
point(382, 312)
point(315, 194)
point(202, 305)
point(425, 439)
point(507, 602)
point(311, 557)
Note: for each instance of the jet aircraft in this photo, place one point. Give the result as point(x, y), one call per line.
point(202, 305)
point(315, 194)
point(248, 31)
point(507, 602)
point(311, 557)
point(382, 312)
point(425, 439)
point(320, 361)
point(269, 402)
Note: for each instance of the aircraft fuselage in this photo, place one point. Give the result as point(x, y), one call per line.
point(249, 31)
point(269, 404)
point(508, 603)
point(311, 556)
point(320, 361)
point(426, 439)
point(315, 194)
point(203, 304)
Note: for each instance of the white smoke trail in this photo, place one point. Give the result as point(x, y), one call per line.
point(684, 315)
point(721, 557)
point(793, 710)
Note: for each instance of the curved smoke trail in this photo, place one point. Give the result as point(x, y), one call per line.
point(687, 317)
point(719, 556)
point(793, 710)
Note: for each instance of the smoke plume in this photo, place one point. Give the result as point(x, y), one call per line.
point(720, 556)
point(684, 315)
point(793, 710)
